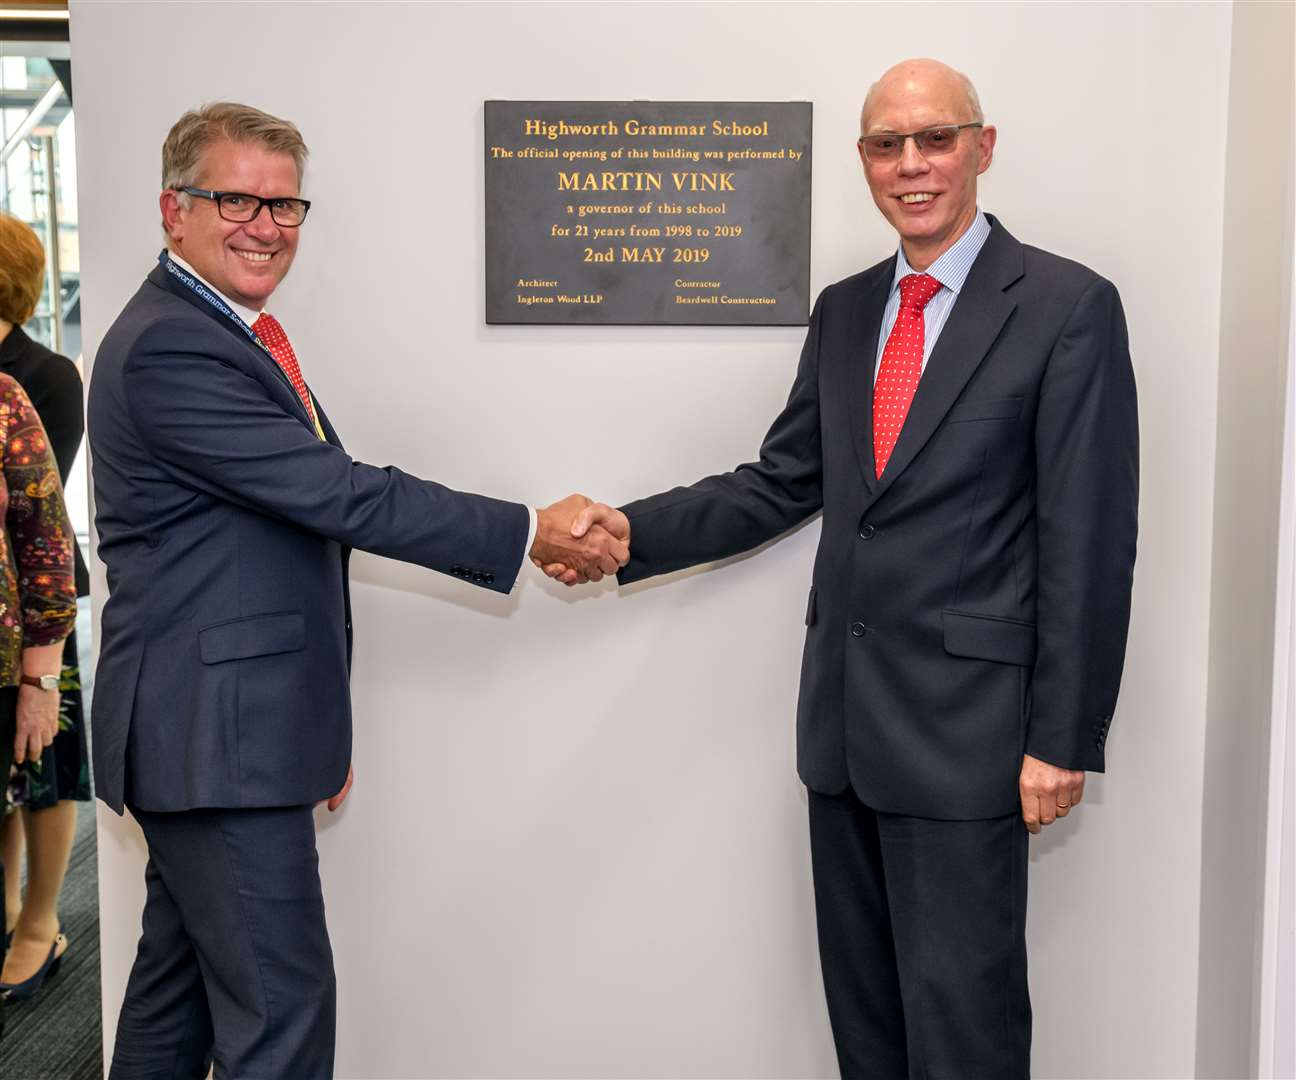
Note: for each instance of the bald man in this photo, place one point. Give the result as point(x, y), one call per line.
point(964, 414)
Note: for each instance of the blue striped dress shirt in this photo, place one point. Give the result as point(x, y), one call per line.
point(951, 270)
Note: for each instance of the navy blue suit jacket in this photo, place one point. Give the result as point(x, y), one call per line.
point(225, 525)
point(973, 603)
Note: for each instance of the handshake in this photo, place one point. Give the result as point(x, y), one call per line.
point(578, 540)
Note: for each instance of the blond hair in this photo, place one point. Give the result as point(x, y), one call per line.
point(193, 133)
point(22, 270)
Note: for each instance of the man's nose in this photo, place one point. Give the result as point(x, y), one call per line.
point(262, 227)
point(912, 163)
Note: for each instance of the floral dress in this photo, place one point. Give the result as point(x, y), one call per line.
point(37, 588)
point(53, 385)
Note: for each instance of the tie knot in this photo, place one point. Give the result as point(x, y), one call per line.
point(267, 325)
point(272, 335)
point(916, 291)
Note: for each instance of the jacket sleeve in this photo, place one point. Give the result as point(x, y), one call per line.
point(1086, 447)
point(39, 532)
point(733, 512)
point(215, 428)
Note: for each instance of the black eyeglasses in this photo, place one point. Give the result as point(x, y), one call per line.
point(930, 142)
point(236, 206)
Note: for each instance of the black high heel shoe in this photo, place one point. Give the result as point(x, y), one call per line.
point(26, 989)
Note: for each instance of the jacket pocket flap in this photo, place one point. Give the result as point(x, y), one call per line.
point(998, 409)
point(989, 637)
point(255, 635)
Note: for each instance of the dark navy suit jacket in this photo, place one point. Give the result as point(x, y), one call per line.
point(973, 603)
point(225, 525)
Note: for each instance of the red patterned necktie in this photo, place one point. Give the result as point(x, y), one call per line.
point(267, 328)
point(901, 366)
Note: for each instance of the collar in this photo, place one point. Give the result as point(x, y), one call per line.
point(15, 341)
point(245, 313)
point(953, 267)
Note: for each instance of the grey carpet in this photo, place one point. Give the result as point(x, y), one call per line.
point(56, 1035)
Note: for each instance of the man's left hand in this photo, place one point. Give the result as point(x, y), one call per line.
point(338, 799)
point(1047, 792)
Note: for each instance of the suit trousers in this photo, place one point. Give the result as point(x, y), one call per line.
point(234, 966)
point(922, 940)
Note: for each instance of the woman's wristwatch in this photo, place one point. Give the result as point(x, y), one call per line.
point(45, 682)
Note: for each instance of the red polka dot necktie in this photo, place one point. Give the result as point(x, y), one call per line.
point(267, 328)
point(901, 367)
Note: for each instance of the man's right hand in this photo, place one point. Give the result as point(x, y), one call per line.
point(592, 518)
point(570, 544)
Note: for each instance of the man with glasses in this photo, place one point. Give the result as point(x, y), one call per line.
point(964, 414)
point(226, 512)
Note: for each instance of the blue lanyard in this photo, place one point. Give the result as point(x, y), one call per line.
point(211, 299)
point(215, 302)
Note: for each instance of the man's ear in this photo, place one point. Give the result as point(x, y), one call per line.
point(985, 147)
point(172, 214)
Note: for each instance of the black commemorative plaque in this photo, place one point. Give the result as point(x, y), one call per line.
point(648, 212)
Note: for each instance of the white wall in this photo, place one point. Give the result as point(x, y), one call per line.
point(1276, 1049)
point(1255, 316)
point(577, 844)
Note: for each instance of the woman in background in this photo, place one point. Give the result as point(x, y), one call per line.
point(46, 785)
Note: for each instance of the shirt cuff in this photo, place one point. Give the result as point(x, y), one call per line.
point(526, 551)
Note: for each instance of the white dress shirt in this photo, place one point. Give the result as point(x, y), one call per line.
point(951, 270)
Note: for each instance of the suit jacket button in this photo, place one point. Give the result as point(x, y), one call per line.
point(857, 629)
point(867, 531)
point(490, 579)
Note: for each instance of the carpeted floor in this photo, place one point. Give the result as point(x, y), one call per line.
point(56, 1036)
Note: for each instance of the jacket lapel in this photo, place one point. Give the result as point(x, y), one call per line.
point(159, 277)
point(978, 315)
point(865, 325)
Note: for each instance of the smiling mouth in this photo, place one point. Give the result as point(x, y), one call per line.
point(254, 256)
point(917, 197)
